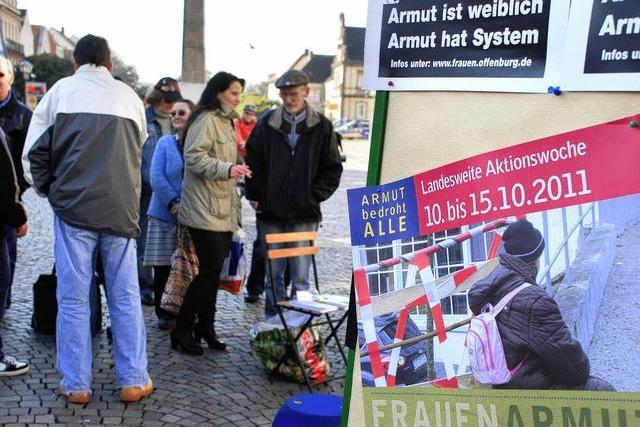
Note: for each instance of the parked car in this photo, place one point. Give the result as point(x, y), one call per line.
point(339, 122)
point(353, 129)
point(413, 362)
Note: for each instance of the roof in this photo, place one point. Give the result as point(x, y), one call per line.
point(354, 39)
point(61, 39)
point(318, 68)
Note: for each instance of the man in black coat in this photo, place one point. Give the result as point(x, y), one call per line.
point(293, 154)
point(531, 326)
point(13, 215)
point(14, 121)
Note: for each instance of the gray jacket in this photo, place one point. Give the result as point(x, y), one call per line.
point(83, 151)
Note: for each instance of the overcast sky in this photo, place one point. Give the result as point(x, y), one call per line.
point(148, 33)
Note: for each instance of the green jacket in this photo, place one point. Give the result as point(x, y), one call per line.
point(209, 198)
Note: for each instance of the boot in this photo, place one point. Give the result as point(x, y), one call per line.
point(181, 339)
point(209, 335)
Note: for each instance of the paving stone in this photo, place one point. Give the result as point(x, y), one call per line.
point(170, 418)
point(26, 418)
point(45, 419)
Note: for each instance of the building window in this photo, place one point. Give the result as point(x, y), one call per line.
point(361, 110)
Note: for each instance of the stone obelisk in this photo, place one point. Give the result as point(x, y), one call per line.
point(193, 68)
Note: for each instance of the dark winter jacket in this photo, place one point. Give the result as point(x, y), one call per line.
point(14, 121)
point(289, 184)
point(83, 151)
point(154, 133)
point(11, 211)
point(531, 327)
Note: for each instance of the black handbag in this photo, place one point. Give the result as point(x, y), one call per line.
point(45, 305)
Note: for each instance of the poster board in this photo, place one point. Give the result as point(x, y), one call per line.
point(419, 131)
point(429, 129)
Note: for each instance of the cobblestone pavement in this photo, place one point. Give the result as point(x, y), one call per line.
point(219, 388)
point(613, 352)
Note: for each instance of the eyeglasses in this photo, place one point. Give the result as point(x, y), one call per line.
point(178, 113)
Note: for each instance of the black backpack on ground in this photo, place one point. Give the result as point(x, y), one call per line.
point(45, 305)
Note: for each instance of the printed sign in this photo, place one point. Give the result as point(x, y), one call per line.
point(603, 46)
point(497, 45)
point(513, 408)
point(613, 44)
point(562, 170)
point(429, 255)
point(34, 91)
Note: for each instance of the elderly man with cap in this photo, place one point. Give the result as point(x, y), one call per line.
point(160, 100)
point(293, 154)
point(537, 343)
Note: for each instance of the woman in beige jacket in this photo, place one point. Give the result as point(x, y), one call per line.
point(209, 205)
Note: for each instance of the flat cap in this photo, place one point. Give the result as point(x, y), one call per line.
point(292, 78)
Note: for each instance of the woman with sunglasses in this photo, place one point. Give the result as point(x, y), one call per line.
point(210, 206)
point(167, 169)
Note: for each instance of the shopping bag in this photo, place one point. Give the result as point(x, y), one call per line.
point(184, 268)
point(234, 267)
point(269, 341)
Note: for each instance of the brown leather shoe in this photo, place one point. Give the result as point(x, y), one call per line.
point(134, 393)
point(79, 397)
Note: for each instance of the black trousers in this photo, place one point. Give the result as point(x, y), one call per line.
point(160, 277)
point(212, 248)
point(255, 282)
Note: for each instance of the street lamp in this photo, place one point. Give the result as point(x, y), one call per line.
point(25, 68)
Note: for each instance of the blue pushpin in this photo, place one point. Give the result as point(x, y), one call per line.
point(554, 90)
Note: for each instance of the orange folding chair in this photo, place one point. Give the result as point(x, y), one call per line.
point(327, 316)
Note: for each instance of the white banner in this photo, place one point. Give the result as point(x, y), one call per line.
point(470, 45)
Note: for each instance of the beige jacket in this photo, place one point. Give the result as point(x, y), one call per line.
point(209, 199)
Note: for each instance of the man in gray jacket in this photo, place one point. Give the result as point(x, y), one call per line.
point(83, 153)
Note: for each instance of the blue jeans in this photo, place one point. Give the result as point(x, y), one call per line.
point(5, 277)
point(74, 249)
point(298, 266)
point(12, 248)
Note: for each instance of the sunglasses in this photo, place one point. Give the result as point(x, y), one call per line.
point(178, 113)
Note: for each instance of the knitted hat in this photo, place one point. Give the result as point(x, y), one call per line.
point(521, 239)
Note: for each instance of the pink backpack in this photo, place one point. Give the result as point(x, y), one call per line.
point(486, 353)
